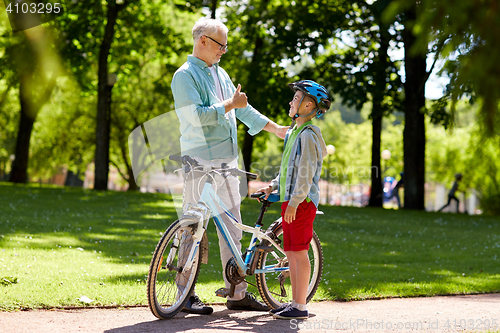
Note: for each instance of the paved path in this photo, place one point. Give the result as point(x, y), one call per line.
point(431, 314)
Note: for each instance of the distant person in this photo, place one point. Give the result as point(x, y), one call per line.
point(451, 194)
point(395, 190)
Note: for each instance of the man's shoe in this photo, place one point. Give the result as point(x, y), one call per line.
point(196, 306)
point(248, 303)
point(279, 309)
point(292, 313)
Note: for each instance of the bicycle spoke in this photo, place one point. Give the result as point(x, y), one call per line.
point(275, 286)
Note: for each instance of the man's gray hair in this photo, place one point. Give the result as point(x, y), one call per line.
point(206, 26)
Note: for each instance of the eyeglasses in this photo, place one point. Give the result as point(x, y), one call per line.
point(222, 46)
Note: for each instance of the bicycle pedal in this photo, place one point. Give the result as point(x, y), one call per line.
point(222, 292)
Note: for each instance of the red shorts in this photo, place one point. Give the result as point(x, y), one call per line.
point(298, 234)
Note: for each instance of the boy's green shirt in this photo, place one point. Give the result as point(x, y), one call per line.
point(286, 157)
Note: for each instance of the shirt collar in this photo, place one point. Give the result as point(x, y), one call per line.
point(309, 122)
point(199, 62)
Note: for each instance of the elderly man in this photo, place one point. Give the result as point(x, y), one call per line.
point(208, 103)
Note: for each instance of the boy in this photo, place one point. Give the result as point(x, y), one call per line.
point(297, 184)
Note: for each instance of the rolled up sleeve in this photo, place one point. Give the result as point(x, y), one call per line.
point(253, 119)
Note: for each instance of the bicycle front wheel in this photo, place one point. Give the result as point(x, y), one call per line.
point(275, 287)
point(169, 290)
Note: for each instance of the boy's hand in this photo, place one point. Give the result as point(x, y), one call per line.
point(266, 190)
point(290, 214)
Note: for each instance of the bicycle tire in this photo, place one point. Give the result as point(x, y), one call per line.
point(268, 283)
point(164, 297)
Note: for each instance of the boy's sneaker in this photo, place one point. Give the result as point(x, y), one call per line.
point(279, 309)
point(292, 313)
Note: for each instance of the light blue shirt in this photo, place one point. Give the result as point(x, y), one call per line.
point(207, 131)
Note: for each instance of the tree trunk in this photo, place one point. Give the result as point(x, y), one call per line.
point(19, 171)
point(376, 172)
point(29, 110)
point(414, 131)
point(103, 95)
point(213, 9)
point(376, 194)
point(132, 185)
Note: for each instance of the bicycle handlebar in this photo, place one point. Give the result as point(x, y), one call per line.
point(186, 160)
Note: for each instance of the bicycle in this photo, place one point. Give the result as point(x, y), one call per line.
point(173, 274)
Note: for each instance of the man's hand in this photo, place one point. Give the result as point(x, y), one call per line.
point(280, 131)
point(290, 214)
point(239, 100)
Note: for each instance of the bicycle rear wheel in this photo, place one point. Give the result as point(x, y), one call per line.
point(275, 287)
point(169, 290)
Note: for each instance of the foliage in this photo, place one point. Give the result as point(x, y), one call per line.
point(356, 65)
point(268, 36)
point(466, 32)
point(271, 44)
point(9, 111)
point(447, 153)
point(9, 119)
point(465, 150)
point(351, 161)
point(392, 134)
point(150, 50)
point(151, 42)
point(64, 243)
point(483, 168)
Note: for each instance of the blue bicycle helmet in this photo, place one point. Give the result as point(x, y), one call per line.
point(316, 91)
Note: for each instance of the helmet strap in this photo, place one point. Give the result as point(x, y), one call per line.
point(310, 113)
point(296, 115)
point(317, 111)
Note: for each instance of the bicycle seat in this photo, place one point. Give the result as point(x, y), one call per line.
point(273, 197)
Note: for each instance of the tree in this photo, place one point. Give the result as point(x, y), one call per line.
point(147, 48)
point(416, 75)
point(470, 47)
point(9, 113)
point(35, 67)
point(468, 42)
point(269, 34)
point(103, 99)
point(362, 71)
point(414, 132)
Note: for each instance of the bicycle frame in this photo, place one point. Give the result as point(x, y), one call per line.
point(214, 203)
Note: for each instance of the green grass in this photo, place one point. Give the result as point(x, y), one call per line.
point(58, 244)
